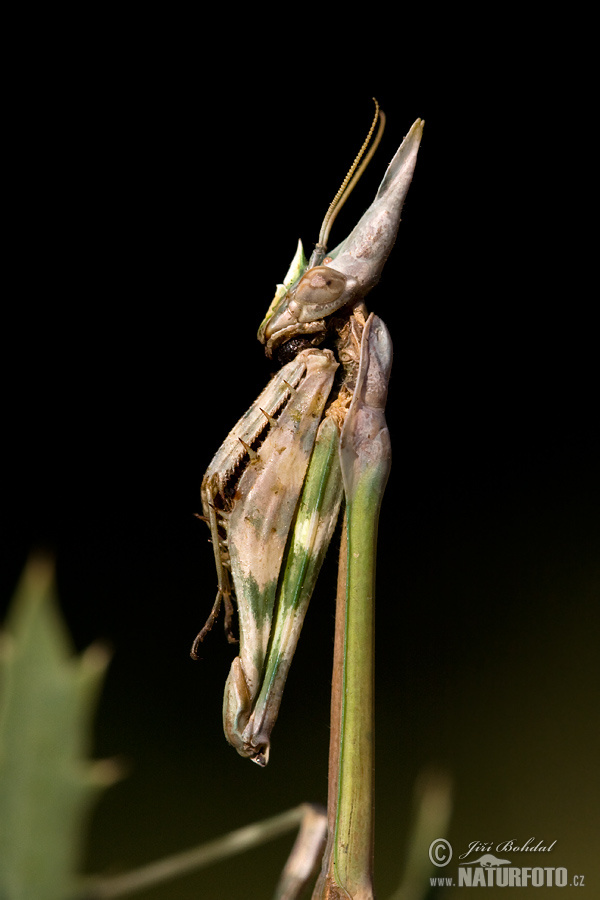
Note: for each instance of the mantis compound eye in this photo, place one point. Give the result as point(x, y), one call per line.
point(319, 289)
point(320, 292)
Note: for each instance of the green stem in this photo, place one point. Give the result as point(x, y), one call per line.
point(353, 850)
point(365, 458)
point(433, 806)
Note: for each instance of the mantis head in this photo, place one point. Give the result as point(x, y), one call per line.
point(314, 289)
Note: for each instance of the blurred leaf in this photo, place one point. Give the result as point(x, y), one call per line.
point(47, 786)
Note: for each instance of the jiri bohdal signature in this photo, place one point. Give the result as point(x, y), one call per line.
point(510, 846)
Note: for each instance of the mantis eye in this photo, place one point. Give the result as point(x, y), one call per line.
point(319, 287)
point(320, 292)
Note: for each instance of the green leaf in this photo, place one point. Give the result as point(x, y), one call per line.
point(47, 786)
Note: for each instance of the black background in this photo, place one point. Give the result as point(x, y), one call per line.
point(159, 193)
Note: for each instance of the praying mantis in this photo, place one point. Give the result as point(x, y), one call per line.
point(315, 436)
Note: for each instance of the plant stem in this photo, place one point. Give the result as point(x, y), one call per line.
point(180, 863)
point(365, 457)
